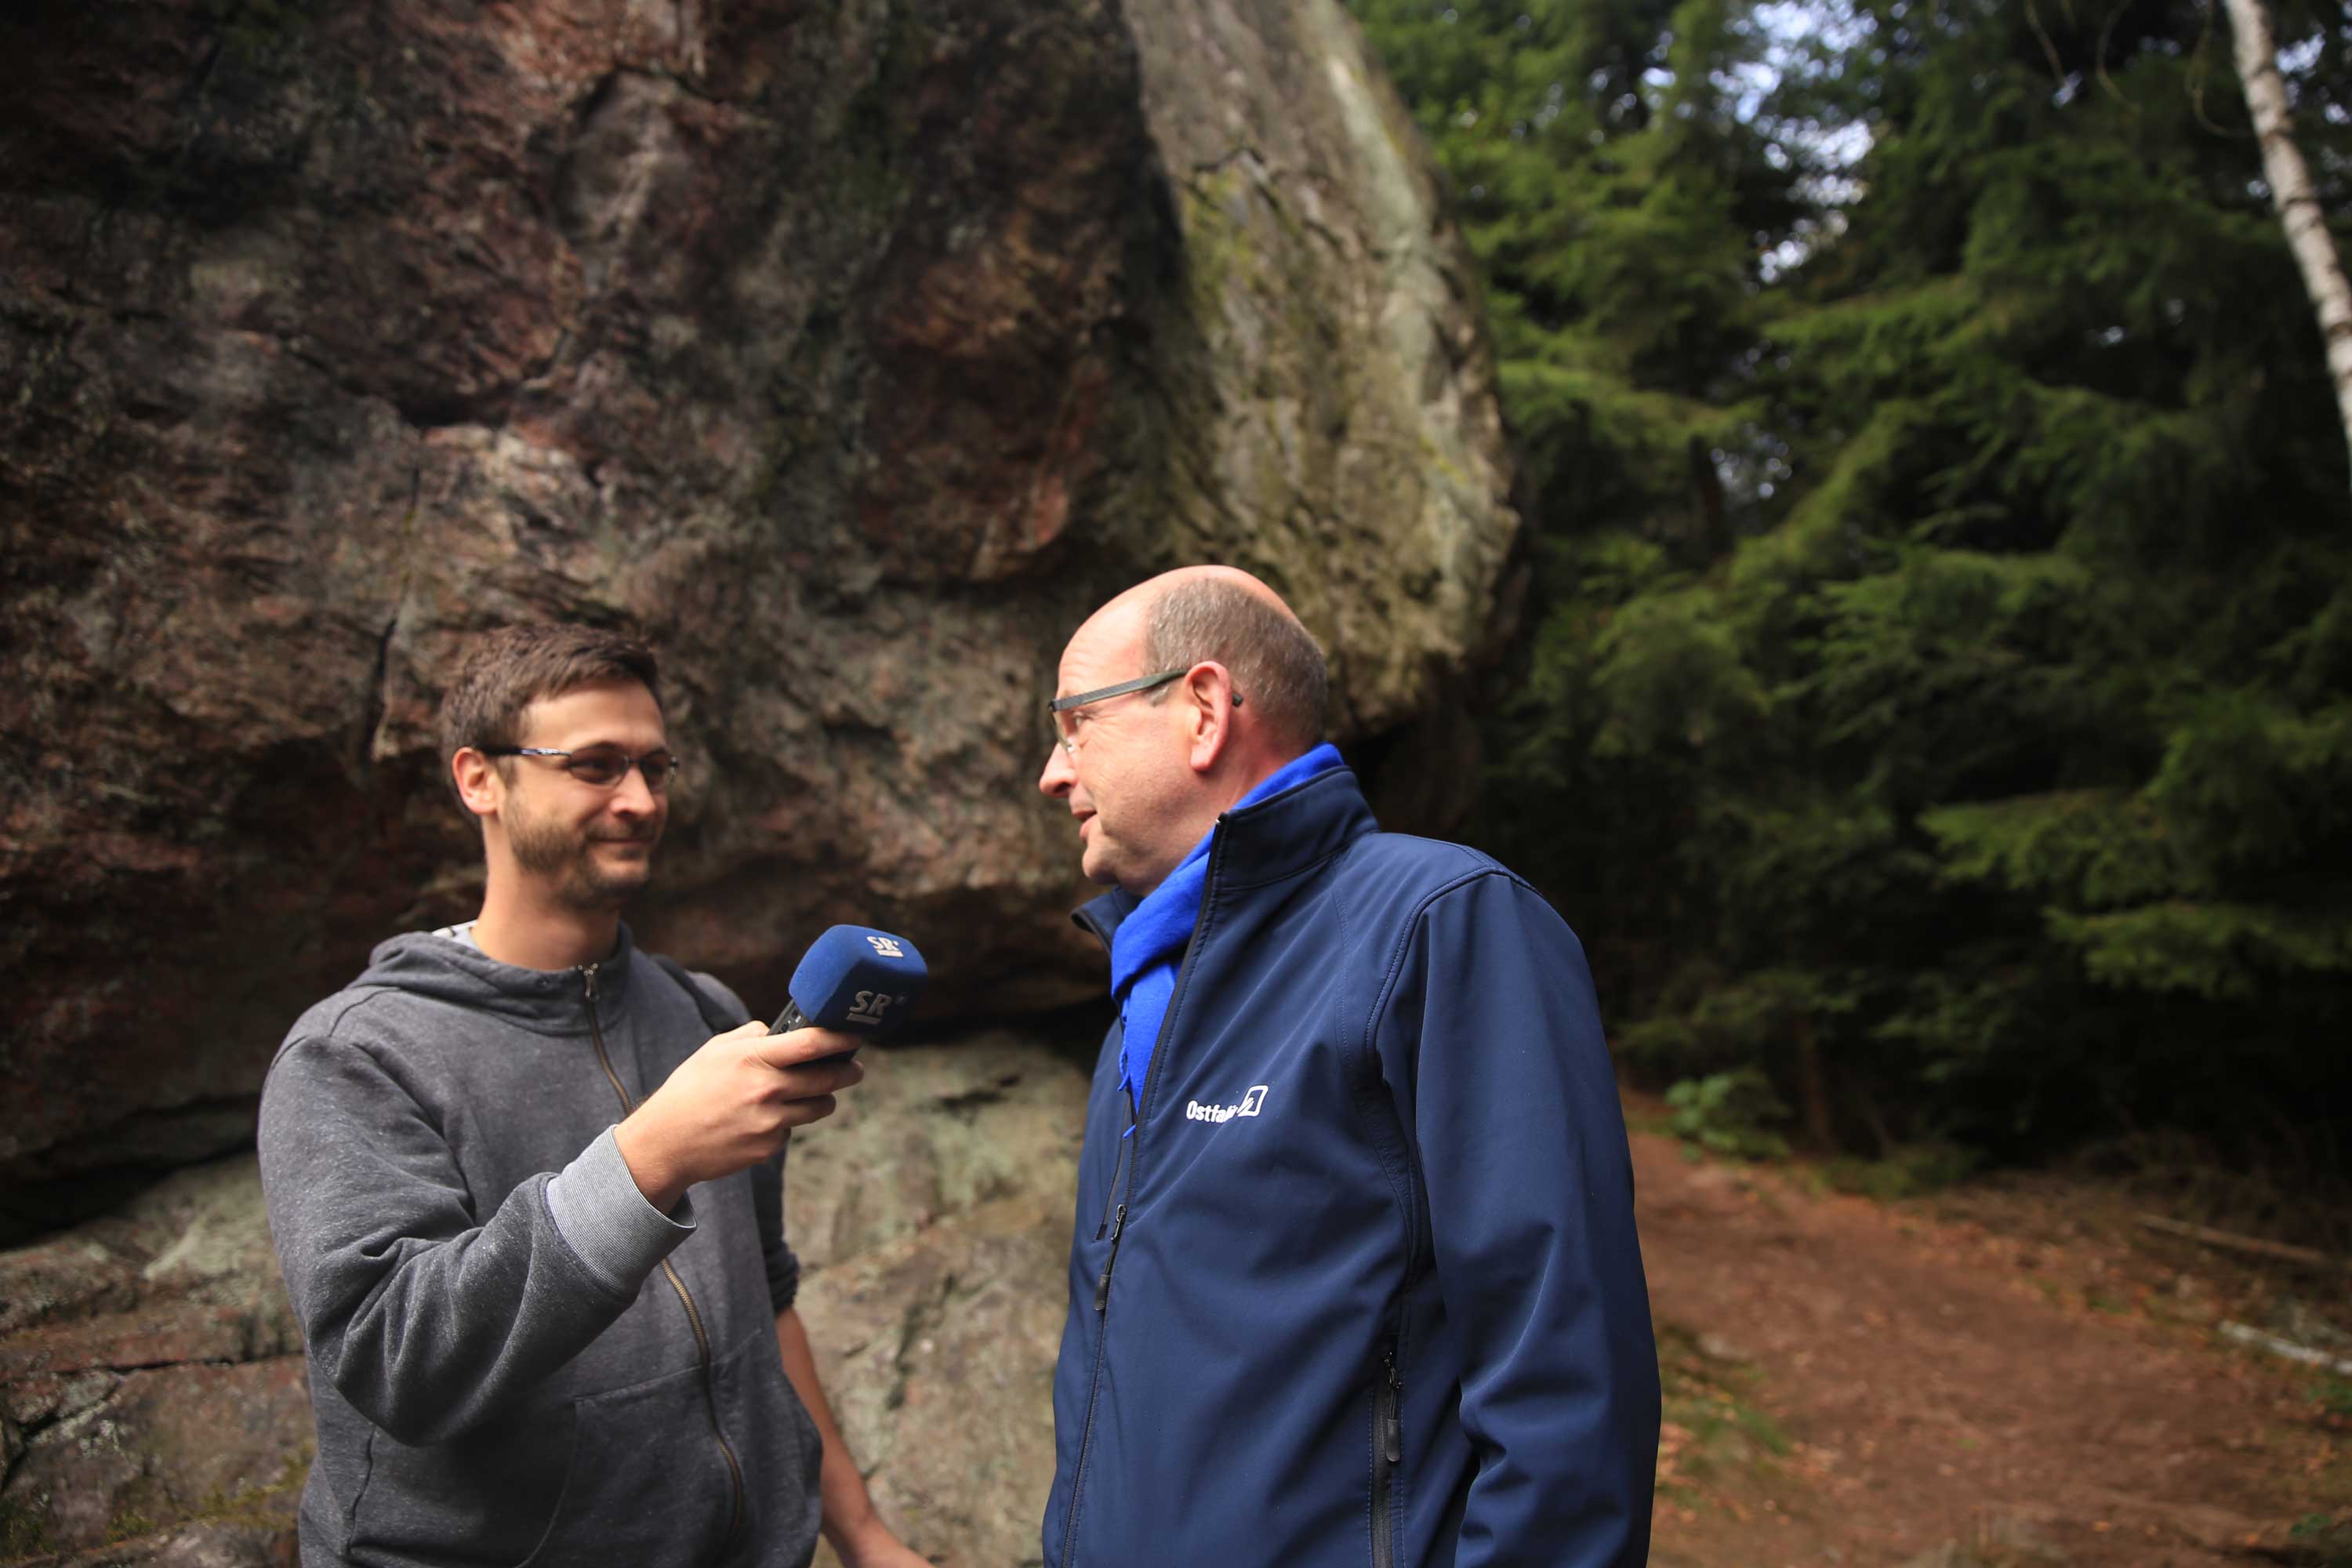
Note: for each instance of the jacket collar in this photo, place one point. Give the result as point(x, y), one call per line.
point(1278, 838)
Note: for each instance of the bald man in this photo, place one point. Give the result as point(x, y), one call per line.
point(1355, 1276)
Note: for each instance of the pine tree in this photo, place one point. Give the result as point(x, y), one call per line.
point(1615, 202)
point(2067, 546)
point(1940, 698)
point(1622, 209)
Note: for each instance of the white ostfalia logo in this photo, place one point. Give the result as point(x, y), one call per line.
point(1250, 1104)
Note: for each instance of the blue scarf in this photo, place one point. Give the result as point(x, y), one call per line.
point(1150, 943)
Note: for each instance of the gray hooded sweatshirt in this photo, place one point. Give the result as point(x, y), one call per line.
point(514, 1358)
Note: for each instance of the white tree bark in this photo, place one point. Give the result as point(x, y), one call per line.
point(2291, 189)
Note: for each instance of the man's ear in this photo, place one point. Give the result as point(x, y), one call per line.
point(478, 783)
point(1207, 695)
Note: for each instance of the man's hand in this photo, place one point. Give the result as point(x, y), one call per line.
point(731, 1105)
point(876, 1547)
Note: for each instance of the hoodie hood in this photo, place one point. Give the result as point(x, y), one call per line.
point(545, 1001)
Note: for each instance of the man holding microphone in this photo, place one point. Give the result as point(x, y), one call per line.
point(525, 1185)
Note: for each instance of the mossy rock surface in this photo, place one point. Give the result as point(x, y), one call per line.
point(854, 352)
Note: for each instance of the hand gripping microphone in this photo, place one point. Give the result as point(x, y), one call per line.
point(856, 980)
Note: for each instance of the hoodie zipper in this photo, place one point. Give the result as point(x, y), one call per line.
point(1388, 1453)
point(685, 1297)
point(1115, 1212)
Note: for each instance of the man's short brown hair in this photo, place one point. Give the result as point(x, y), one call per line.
point(1274, 661)
point(505, 672)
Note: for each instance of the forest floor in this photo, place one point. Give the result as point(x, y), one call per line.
point(2002, 1374)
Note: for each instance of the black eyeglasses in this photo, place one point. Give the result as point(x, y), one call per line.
point(602, 767)
point(1065, 731)
point(1067, 737)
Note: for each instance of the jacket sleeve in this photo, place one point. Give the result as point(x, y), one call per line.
point(429, 1319)
point(1491, 1043)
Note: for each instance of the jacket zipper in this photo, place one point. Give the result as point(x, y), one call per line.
point(1114, 1207)
point(685, 1297)
point(1116, 1213)
point(1388, 1453)
point(1134, 1135)
point(1102, 1285)
point(1117, 1172)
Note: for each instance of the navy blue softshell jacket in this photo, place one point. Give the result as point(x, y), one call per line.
point(1363, 1287)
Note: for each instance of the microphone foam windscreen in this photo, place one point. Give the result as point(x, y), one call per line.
point(859, 980)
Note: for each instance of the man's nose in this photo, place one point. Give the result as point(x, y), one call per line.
point(633, 797)
point(1059, 776)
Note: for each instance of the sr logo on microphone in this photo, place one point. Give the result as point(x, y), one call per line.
point(869, 1006)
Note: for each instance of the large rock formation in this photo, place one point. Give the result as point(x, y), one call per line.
point(852, 351)
point(932, 1216)
point(150, 1376)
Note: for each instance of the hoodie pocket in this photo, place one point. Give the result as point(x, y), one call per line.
point(647, 1482)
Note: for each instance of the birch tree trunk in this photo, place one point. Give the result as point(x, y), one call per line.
point(2291, 189)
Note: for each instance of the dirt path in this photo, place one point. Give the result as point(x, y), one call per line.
point(1935, 1381)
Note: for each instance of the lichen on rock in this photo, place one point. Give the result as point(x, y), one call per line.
point(854, 354)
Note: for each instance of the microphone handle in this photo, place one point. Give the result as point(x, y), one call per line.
point(792, 1018)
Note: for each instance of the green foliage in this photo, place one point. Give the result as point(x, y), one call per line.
point(1614, 206)
point(128, 1523)
point(23, 1533)
point(2326, 1538)
point(255, 32)
point(1937, 708)
point(1715, 1404)
point(1727, 1113)
point(1907, 1171)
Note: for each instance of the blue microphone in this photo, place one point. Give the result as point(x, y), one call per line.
point(856, 980)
